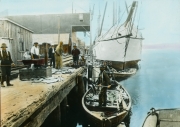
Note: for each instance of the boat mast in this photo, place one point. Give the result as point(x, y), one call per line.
point(113, 14)
point(126, 7)
point(102, 20)
point(91, 18)
point(98, 22)
point(129, 27)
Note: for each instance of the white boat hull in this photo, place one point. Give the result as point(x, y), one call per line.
point(114, 50)
point(151, 121)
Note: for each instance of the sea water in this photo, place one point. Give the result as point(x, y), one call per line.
point(156, 83)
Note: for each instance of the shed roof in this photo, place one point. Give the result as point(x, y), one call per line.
point(5, 19)
point(49, 23)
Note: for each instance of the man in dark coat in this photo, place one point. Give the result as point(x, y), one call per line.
point(104, 83)
point(75, 53)
point(51, 55)
point(6, 63)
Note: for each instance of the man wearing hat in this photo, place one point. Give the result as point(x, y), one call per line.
point(51, 55)
point(58, 55)
point(6, 63)
point(75, 53)
point(105, 83)
point(35, 51)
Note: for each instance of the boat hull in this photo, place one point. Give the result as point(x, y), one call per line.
point(162, 118)
point(111, 122)
point(120, 65)
point(106, 116)
point(125, 73)
point(151, 121)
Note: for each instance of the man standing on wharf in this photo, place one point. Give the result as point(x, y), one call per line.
point(6, 63)
point(51, 55)
point(35, 51)
point(75, 53)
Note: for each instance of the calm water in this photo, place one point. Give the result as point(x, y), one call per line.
point(156, 84)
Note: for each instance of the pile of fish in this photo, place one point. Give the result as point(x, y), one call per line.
point(112, 97)
point(57, 77)
point(47, 80)
point(64, 70)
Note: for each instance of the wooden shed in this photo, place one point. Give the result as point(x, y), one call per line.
point(17, 37)
point(48, 26)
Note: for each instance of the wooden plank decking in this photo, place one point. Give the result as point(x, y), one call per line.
point(29, 104)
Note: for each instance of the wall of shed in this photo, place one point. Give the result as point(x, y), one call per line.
point(13, 34)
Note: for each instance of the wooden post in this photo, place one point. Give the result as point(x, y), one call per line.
point(55, 117)
point(46, 56)
point(81, 87)
point(90, 69)
point(58, 29)
point(53, 120)
point(64, 109)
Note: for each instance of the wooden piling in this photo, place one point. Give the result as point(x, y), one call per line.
point(46, 53)
point(81, 86)
point(63, 106)
point(55, 117)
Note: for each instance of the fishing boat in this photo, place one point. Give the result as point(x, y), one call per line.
point(121, 45)
point(124, 73)
point(162, 118)
point(117, 108)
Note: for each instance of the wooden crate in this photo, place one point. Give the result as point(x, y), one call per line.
point(27, 74)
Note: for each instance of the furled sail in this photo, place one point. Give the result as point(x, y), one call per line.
point(121, 43)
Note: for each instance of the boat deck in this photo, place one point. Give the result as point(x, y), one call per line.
point(169, 118)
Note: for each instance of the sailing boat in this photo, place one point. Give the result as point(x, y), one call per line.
point(121, 46)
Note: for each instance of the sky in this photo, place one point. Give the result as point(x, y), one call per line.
point(158, 20)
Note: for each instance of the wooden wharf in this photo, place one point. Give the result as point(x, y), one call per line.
point(28, 104)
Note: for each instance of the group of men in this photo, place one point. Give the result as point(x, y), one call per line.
point(34, 54)
point(55, 55)
point(52, 53)
point(6, 63)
